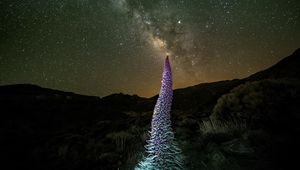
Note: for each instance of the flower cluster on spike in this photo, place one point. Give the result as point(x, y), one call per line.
point(162, 148)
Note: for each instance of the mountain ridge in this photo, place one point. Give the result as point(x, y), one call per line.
point(184, 98)
point(293, 71)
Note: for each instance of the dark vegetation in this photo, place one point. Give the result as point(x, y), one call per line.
point(252, 123)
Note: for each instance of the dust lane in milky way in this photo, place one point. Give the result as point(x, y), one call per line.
point(102, 47)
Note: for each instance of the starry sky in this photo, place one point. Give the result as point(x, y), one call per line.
point(100, 47)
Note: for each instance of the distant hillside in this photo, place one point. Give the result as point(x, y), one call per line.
point(201, 98)
point(289, 67)
point(198, 99)
point(47, 107)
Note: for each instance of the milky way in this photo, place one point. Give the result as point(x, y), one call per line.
point(162, 27)
point(98, 47)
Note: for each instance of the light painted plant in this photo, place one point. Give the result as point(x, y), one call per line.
point(162, 148)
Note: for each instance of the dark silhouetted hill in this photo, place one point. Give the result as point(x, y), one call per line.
point(289, 67)
point(201, 98)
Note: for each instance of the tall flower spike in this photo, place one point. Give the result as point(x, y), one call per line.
point(162, 148)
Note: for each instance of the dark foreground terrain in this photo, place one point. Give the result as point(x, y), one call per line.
point(245, 124)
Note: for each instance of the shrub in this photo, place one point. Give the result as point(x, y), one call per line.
point(265, 103)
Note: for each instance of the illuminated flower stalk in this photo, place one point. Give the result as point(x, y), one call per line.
point(162, 148)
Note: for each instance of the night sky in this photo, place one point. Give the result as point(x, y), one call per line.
point(99, 47)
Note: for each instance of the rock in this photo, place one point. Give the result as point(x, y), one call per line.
point(238, 147)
